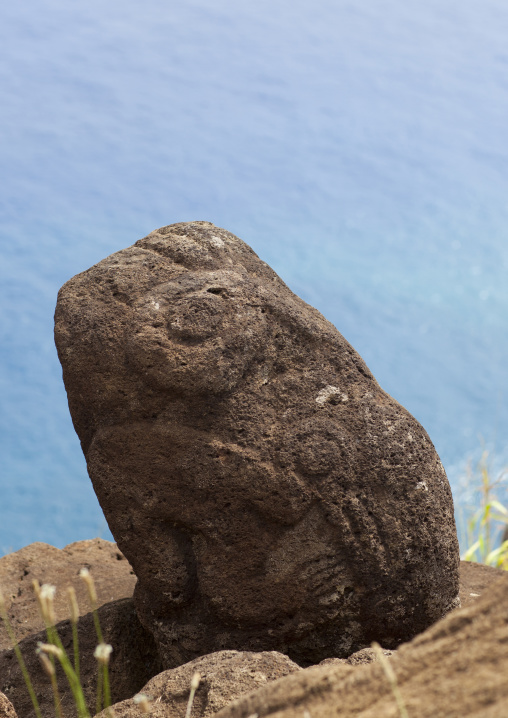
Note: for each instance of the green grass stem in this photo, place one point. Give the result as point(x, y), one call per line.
point(74, 610)
point(19, 657)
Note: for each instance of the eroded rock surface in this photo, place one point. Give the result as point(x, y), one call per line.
point(455, 669)
point(225, 676)
point(267, 492)
point(359, 658)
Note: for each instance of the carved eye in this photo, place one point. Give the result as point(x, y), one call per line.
point(196, 318)
point(217, 290)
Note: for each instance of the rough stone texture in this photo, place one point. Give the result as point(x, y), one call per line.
point(475, 579)
point(225, 675)
point(359, 658)
point(455, 669)
point(268, 493)
point(133, 661)
point(112, 573)
point(6, 708)
point(134, 655)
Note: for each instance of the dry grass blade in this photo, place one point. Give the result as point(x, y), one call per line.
point(392, 679)
point(194, 686)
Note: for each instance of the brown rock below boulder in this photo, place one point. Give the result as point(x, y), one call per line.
point(456, 669)
point(475, 579)
point(6, 708)
point(133, 661)
point(268, 493)
point(112, 573)
point(360, 658)
point(224, 676)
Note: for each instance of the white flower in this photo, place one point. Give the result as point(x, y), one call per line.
point(143, 702)
point(87, 578)
point(48, 592)
point(49, 648)
point(102, 652)
point(45, 596)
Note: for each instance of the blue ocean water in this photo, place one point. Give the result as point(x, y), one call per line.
point(361, 150)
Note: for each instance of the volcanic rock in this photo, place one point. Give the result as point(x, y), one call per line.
point(359, 658)
point(224, 676)
point(267, 492)
point(455, 669)
point(112, 574)
point(475, 580)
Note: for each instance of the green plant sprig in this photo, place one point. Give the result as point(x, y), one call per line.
point(45, 598)
point(480, 527)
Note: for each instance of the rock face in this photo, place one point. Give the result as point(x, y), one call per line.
point(225, 676)
point(267, 492)
point(455, 669)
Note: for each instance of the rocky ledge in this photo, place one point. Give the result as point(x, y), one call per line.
point(456, 668)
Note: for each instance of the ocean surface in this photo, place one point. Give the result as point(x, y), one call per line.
point(361, 149)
